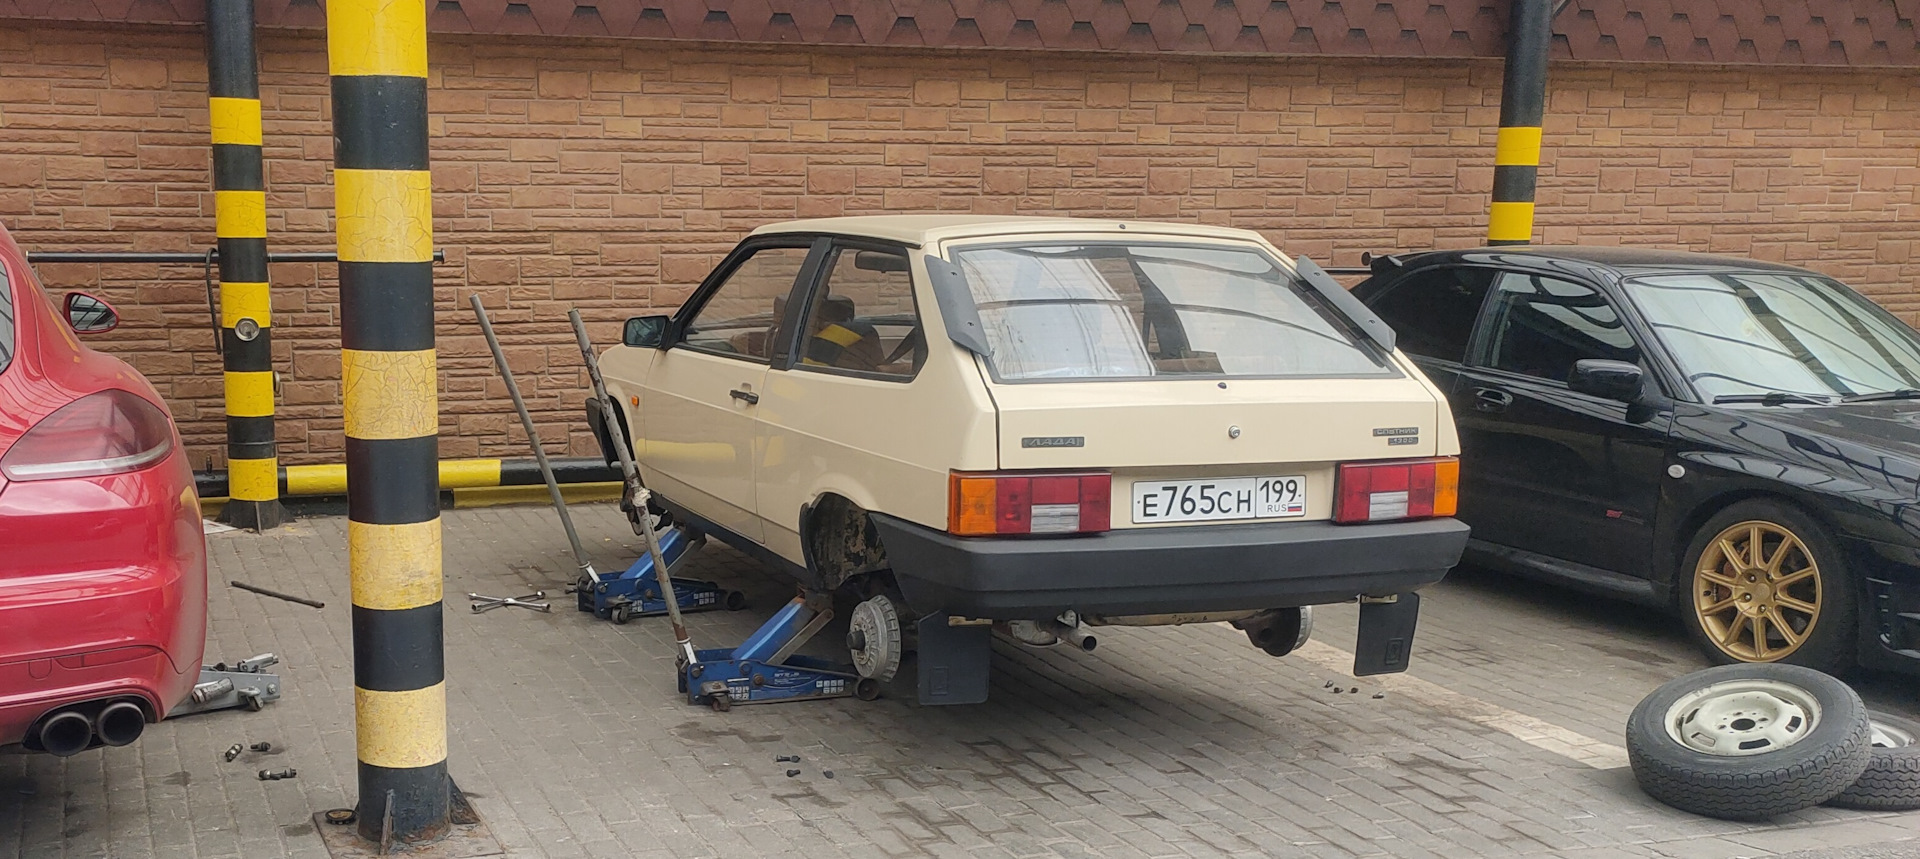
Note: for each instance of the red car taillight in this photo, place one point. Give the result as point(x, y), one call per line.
point(1396, 489)
point(980, 505)
point(104, 433)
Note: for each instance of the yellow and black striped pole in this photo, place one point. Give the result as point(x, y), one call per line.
point(377, 54)
point(1523, 106)
point(240, 224)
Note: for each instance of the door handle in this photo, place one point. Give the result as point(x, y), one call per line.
point(1490, 400)
point(745, 396)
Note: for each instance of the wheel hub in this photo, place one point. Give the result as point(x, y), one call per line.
point(873, 638)
point(1738, 718)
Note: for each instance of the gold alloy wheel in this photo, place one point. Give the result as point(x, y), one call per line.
point(1756, 591)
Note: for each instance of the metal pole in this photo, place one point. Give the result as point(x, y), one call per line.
point(240, 224)
point(1523, 105)
point(163, 257)
point(377, 55)
point(533, 438)
point(682, 642)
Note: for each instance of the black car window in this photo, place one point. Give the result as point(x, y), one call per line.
point(1540, 325)
point(1433, 310)
point(741, 318)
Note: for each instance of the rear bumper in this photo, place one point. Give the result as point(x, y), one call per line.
point(1164, 570)
point(105, 595)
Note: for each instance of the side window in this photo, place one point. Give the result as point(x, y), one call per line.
point(863, 317)
point(1433, 311)
point(741, 317)
point(1541, 325)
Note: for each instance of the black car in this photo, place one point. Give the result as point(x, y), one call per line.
point(1736, 440)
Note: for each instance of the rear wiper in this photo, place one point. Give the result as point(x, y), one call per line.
point(1772, 398)
point(1896, 394)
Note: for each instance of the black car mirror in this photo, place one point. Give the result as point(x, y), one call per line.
point(1612, 380)
point(645, 331)
point(90, 315)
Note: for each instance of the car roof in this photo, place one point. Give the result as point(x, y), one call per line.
point(1621, 261)
point(922, 230)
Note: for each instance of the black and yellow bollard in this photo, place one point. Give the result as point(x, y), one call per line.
point(377, 54)
point(1523, 106)
point(240, 224)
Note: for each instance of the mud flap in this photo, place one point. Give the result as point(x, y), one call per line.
point(1386, 635)
point(953, 661)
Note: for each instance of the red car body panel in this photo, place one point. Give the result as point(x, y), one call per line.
point(103, 580)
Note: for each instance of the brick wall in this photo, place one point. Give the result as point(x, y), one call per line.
point(611, 175)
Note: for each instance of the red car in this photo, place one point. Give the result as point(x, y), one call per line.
point(103, 565)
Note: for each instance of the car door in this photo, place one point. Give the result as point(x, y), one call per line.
point(837, 413)
point(700, 394)
point(1432, 311)
point(1544, 469)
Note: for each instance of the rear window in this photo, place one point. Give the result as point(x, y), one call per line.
point(1138, 310)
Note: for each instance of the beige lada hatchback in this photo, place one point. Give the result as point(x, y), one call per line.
point(1041, 425)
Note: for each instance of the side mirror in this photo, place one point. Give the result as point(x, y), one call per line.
point(645, 332)
point(90, 315)
point(1611, 380)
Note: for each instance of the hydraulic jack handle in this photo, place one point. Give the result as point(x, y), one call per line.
point(630, 473)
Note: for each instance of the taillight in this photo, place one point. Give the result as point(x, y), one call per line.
point(104, 433)
point(981, 505)
point(1396, 489)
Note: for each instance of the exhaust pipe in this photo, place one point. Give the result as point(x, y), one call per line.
point(121, 723)
point(66, 734)
point(1076, 636)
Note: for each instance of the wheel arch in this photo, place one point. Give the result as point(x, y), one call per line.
point(839, 540)
point(1687, 526)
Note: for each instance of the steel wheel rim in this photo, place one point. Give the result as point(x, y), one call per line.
point(1885, 736)
point(1739, 718)
point(1756, 591)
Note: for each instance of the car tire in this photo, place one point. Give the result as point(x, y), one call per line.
point(1725, 595)
point(1892, 779)
point(1748, 742)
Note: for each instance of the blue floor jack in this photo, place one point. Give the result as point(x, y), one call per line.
point(765, 670)
point(636, 592)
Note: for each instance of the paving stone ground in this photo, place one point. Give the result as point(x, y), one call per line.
point(568, 735)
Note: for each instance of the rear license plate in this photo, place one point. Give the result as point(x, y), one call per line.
point(1225, 498)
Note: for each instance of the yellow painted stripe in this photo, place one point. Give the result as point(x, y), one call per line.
point(316, 480)
point(1510, 222)
point(573, 493)
point(401, 730)
point(465, 473)
point(253, 479)
point(394, 567)
point(250, 394)
point(389, 394)
point(1517, 146)
point(384, 215)
point(377, 37)
point(245, 301)
point(240, 214)
point(235, 120)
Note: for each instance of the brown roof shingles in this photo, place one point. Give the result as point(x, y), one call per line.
point(1841, 32)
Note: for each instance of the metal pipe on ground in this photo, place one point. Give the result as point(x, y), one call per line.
point(1523, 105)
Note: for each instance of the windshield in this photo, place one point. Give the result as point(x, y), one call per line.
point(1127, 310)
point(1748, 333)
